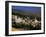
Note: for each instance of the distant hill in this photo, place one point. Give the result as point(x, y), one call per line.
point(26, 13)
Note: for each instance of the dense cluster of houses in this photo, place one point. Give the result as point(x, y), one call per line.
point(27, 21)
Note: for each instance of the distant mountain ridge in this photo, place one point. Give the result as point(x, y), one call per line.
point(25, 12)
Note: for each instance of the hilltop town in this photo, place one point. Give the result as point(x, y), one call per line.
point(25, 23)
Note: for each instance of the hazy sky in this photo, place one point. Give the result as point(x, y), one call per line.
point(27, 8)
